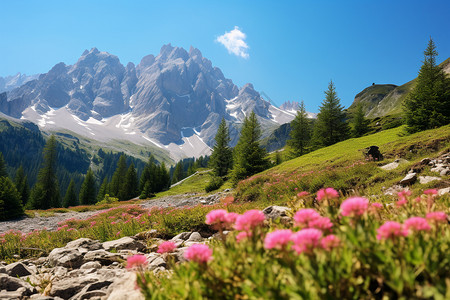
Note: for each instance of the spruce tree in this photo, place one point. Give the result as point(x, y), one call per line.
point(70, 198)
point(164, 178)
point(331, 126)
point(248, 156)
point(3, 172)
point(88, 191)
point(10, 202)
point(103, 190)
point(21, 182)
point(45, 193)
point(148, 178)
point(222, 156)
point(301, 132)
point(118, 181)
point(428, 104)
point(178, 173)
point(359, 122)
point(131, 186)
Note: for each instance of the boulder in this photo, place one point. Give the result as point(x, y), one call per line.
point(274, 212)
point(123, 288)
point(182, 236)
point(394, 165)
point(444, 191)
point(84, 245)
point(103, 257)
point(124, 243)
point(155, 261)
point(13, 284)
point(70, 286)
point(18, 269)
point(91, 265)
point(145, 235)
point(94, 290)
point(65, 257)
point(195, 237)
point(408, 179)
point(427, 179)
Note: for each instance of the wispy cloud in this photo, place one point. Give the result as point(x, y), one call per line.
point(234, 41)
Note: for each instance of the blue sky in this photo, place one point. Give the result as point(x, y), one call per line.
point(294, 47)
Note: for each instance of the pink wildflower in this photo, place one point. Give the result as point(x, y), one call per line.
point(431, 192)
point(321, 223)
point(437, 216)
point(329, 242)
point(277, 239)
point(249, 220)
point(417, 224)
point(118, 233)
point(242, 236)
point(166, 247)
point(401, 203)
point(391, 230)
point(376, 205)
point(136, 261)
point(302, 194)
point(403, 195)
point(198, 253)
point(306, 240)
point(327, 193)
point(231, 217)
point(93, 223)
point(303, 217)
point(70, 229)
point(354, 207)
point(216, 216)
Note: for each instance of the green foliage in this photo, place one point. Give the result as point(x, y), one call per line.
point(428, 104)
point(214, 184)
point(154, 178)
point(3, 172)
point(301, 132)
point(10, 202)
point(331, 126)
point(107, 200)
point(88, 191)
point(21, 182)
point(45, 193)
point(248, 156)
point(70, 198)
point(103, 190)
point(131, 186)
point(359, 123)
point(178, 173)
point(118, 182)
point(222, 155)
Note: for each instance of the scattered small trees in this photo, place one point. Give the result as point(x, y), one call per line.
point(428, 104)
point(331, 126)
point(301, 132)
point(248, 156)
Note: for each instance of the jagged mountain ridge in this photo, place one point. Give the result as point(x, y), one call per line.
point(174, 100)
point(9, 83)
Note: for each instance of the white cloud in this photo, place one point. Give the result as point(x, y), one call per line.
point(235, 43)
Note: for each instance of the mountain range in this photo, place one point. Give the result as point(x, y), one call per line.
point(173, 101)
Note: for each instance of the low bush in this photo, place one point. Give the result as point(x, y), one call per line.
point(214, 184)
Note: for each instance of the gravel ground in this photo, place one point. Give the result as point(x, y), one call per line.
point(51, 223)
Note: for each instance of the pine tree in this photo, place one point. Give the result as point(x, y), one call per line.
point(21, 182)
point(301, 131)
point(164, 178)
point(88, 191)
point(330, 126)
point(70, 198)
point(45, 193)
point(3, 172)
point(131, 186)
point(222, 156)
point(359, 122)
point(248, 156)
point(103, 190)
point(10, 203)
point(428, 104)
point(117, 181)
point(178, 173)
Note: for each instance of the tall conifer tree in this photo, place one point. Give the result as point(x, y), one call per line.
point(118, 181)
point(248, 156)
point(222, 156)
point(21, 182)
point(428, 104)
point(70, 198)
point(301, 131)
point(359, 122)
point(88, 191)
point(45, 193)
point(3, 172)
point(10, 203)
point(131, 185)
point(331, 126)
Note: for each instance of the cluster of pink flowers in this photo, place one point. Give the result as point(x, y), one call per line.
point(392, 230)
point(198, 253)
point(135, 261)
point(309, 218)
point(354, 207)
point(437, 217)
point(249, 220)
point(166, 247)
point(327, 194)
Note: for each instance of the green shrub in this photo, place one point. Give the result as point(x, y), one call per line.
point(214, 184)
point(108, 200)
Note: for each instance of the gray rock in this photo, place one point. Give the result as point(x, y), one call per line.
point(444, 191)
point(103, 257)
point(124, 243)
point(91, 265)
point(425, 161)
point(445, 172)
point(147, 234)
point(274, 212)
point(394, 165)
point(18, 269)
point(408, 179)
point(154, 261)
point(393, 190)
point(70, 286)
point(12, 284)
point(97, 290)
point(65, 257)
point(427, 179)
point(195, 237)
point(84, 245)
point(182, 236)
point(123, 288)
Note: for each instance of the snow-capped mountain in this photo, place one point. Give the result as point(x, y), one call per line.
point(293, 107)
point(174, 101)
point(9, 83)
